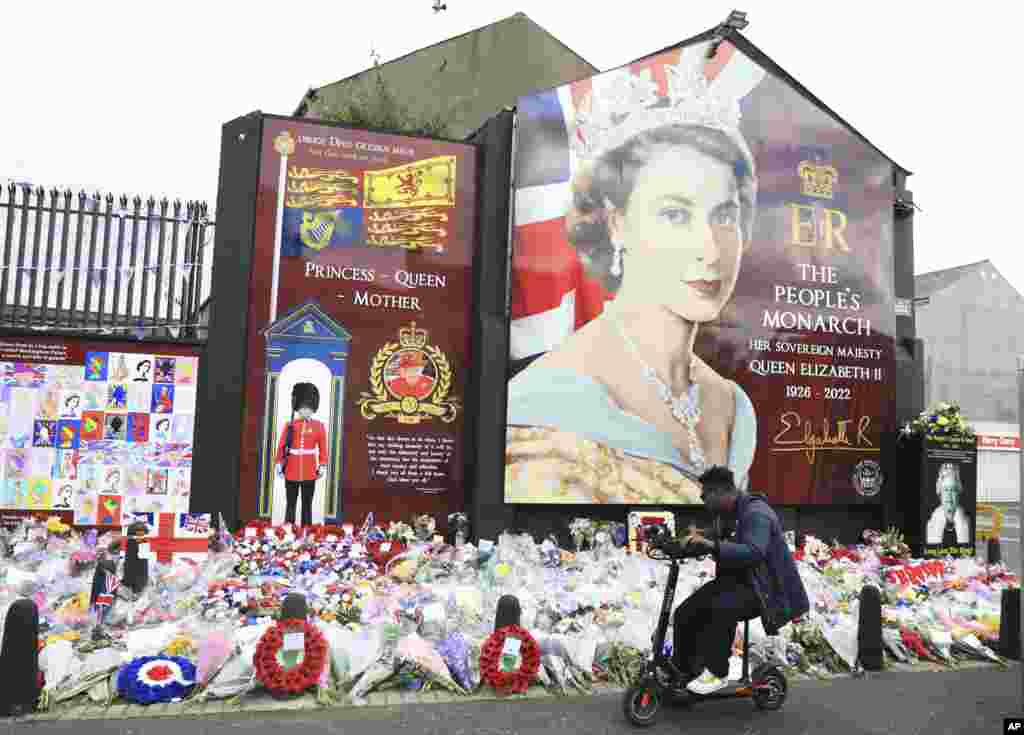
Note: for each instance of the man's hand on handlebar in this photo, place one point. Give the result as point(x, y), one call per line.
point(692, 547)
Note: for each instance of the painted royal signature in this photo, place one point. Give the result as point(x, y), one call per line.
point(798, 435)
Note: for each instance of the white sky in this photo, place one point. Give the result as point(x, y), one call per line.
point(114, 96)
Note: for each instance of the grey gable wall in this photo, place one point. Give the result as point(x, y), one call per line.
point(973, 330)
point(474, 75)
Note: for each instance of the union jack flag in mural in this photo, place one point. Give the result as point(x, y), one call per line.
point(552, 295)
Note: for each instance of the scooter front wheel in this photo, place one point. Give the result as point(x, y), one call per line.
point(642, 703)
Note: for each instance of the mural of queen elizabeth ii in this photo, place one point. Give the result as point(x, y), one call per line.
point(662, 207)
point(948, 522)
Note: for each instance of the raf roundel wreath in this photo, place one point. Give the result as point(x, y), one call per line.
point(492, 670)
point(155, 679)
point(275, 674)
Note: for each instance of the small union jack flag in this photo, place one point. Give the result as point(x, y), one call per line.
point(110, 586)
point(198, 524)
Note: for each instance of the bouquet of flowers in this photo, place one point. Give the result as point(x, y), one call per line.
point(57, 527)
point(815, 550)
point(582, 532)
point(889, 545)
point(943, 419)
point(401, 532)
point(425, 527)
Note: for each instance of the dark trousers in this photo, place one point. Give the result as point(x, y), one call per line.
point(704, 625)
point(291, 490)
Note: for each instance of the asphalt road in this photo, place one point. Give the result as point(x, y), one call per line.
point(948, 703)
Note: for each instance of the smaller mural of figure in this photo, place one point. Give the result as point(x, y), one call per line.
point(162, 430)
point(163, 399)
point(43, 436)
point(164, 370)
point(302, 452)
point(409, 375)
point(68, 465)
point(116, 428)
point(71, 407)
point(948, 521)
point(92, 425)
point(138, 428)
point(143, 371)
point(69, 434)
point(96, 366)
point(112, 480)
point(65, 496)
point(117, 397)
point(118, 370)
point(157, 482)
point(49, 403)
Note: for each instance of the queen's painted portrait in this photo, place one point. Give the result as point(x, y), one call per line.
point(662, 208)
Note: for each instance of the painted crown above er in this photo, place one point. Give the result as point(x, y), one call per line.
point(629, 104)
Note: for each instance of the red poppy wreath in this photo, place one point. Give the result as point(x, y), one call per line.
point(510, 659)
point(279, 668)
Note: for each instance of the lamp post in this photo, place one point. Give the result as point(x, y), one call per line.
point(1020, 482)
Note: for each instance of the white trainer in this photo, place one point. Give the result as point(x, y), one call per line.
point(707, 683)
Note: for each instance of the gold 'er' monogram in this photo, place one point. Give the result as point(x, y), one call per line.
point(410, 381)
point(813, 225)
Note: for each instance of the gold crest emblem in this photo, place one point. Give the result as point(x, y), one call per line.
point(817, 179)
point(284, 143)
point(410, 380)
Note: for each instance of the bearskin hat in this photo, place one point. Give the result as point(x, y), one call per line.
point(305, 394)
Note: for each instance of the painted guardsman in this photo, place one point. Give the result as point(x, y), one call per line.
point(302, 452)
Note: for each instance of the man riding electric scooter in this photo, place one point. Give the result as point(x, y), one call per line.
point(755, 577)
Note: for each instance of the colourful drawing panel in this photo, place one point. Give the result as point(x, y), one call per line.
point(69, 433)
point(96, 366)
point(109, 509)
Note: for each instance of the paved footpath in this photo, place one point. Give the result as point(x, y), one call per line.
point(896, 702)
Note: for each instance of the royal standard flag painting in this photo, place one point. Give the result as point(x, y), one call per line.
point(408, 206)
point(321, 211)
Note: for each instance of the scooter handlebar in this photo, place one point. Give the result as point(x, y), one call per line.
point(665, 547)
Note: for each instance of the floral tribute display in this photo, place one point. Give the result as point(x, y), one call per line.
point(419, 615)
point(290, 658)
point(941, 420)
point(156, 679)
point(510, 659)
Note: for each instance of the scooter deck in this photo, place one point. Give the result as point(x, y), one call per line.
point(732, 690)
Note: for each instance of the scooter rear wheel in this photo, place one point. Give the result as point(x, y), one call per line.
point(770, 689)
point(642, 703)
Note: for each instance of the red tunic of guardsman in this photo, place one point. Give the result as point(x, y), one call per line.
point(308, 450)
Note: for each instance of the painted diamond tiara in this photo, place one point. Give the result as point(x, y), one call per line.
point(630, 104)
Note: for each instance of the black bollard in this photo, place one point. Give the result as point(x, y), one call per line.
point(508, 612)
point(995, 554)
point(869, 629)
point(1009, 624)
point(136, 570)
point(19, 659)
point(294, 607)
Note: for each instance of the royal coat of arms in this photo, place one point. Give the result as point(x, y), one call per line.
point(410, 380)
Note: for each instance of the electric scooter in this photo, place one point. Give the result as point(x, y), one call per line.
point(661, 680)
